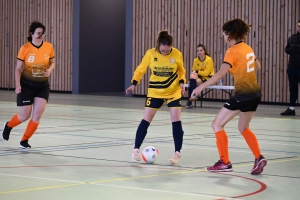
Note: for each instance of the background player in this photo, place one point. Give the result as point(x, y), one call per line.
point(241, 62)
point(166, 86)
point(203, 69)
point(32, 86)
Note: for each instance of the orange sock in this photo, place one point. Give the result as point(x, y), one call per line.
point(222, 143)
point(31, 128)
point(252, 142)
point(14, 121)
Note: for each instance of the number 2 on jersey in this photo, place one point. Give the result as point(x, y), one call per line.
point(250, 62)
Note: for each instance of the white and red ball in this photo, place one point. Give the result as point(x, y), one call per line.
point(150, 154)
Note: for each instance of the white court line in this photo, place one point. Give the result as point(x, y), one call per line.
point(40, 178)
point(163, 191)
point(124, 187)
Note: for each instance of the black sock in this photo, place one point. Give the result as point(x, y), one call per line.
point(177, 135)
point(141, 133)
point(193, 85)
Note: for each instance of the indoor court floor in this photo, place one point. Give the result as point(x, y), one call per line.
point(82, 150)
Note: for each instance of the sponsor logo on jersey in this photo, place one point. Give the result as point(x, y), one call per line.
point(155, 60)
point(172, 60)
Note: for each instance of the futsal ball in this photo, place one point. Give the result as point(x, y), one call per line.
point(150, 154)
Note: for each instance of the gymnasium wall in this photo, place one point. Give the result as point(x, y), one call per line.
point(15, 19)
point(193, 21)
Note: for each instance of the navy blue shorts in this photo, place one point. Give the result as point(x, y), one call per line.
point(156, 103)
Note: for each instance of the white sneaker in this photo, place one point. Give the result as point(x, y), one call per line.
point(136, 155)
point(174, 160)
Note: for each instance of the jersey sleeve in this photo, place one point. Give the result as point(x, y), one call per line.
point(181, 70)
point(21, 54)
point(209, 68)
point(141, 69)
point(229, 58)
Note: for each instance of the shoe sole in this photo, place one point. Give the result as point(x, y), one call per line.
point(22, 147)
point(223, 170)
point(260, 167)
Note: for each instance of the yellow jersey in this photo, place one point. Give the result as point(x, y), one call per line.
point(241, 58)
point(167, 72)
point(36, 60)
point(204, 68)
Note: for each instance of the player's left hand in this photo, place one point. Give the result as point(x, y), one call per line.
point(182, 88)
point(47, 72)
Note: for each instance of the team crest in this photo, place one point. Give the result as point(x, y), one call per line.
point(172, 60)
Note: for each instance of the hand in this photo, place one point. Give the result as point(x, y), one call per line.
point(47, 73)
point(132, 87)
point(196, 92)
point(182, 88)
point(18, 89)
point(194, 75)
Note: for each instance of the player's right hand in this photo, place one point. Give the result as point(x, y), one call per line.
point(132, 87)
point(18, 89)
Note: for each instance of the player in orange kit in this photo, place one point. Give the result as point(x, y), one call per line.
point(241, 62)
point(32, 86)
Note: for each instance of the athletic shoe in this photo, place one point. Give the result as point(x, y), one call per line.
point(136, 155)
point(220, 166)
point(189, 105)
point(174, 160)
point(24, 144)
point(6, 131)
point(259, 165)
point(288, 112)
point(194, 98)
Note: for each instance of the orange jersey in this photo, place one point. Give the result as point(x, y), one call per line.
point(241, 58)
point(36, 60)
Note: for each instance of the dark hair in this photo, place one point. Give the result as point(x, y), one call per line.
point(33, 26)
point(203, 47)
point(236, 29)
point(299, 21)
point(164, 38)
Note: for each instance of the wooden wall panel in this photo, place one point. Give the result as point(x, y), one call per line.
point(193, 21)
point(15, 19)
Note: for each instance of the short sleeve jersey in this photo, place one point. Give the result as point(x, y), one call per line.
point(241, 58)
point(36, 60)
point(166, 72)
point(205, 68)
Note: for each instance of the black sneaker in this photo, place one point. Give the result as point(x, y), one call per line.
point(259, 165)
point(6, 131)
point(189, 105)
point(24, 144)
point(288, 112)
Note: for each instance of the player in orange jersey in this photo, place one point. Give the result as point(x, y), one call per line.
point(241, 62)
point(35, 62)
point(166, 86)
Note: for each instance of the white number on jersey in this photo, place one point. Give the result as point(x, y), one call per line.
point(250, 62)
point(30, 59)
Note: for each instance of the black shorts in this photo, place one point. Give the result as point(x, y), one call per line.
point(243, 106)
point(156, 103)
point(30, 89)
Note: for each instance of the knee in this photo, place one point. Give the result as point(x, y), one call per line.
point(215, 126)
point(23, 117)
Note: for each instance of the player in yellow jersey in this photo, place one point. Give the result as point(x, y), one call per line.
point(35, 62)
point(241, 62)
point(203, 69)
point(166, 86)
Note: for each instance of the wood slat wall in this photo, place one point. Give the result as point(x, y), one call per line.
point(200, 21)
point(15, 19)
